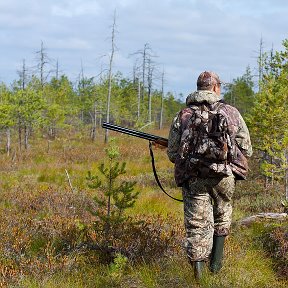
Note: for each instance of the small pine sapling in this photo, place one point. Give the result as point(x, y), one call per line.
point(115, 197)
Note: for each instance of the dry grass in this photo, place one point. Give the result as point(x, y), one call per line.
point(49, 238)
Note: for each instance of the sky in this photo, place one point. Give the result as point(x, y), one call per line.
point(185, 37)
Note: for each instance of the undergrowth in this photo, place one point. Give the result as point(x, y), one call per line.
point(50, 238)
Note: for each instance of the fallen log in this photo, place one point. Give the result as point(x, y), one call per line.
point(262, 216)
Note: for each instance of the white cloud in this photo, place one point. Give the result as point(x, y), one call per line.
point(70, 43)
point(187, 35)
point(72, 8)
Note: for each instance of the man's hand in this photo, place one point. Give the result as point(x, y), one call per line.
point(157, 145)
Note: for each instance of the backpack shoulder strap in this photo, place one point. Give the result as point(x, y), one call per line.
point(217, 105)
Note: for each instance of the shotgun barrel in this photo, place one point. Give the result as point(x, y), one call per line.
point(150, 137)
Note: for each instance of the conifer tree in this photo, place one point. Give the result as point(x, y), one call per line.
point(7, 121)
point(60, 104)
point(28, 108)
point(240, 92)
point(268, 117)
point(116, 197)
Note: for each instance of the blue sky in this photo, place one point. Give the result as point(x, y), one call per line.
point(187, 37)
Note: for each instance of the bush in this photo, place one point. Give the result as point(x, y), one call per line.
point(143, 238)
point(51, 231)
point(40, 232)
point(276, 243)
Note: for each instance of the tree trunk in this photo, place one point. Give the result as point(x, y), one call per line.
point(162, 102)
point(26, 136)
point(52, 131)
point(149, 105)
point(286, 175)
point(94, 123)
point(19, 137)
point(43, 60)
point(8, 143)
point(143, 70)
point(139, 100)
point(262, 216)
point(110, 76)
point(260, 65)
point(272, 172)
point(150, 75)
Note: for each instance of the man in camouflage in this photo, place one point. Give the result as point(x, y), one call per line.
point(207, 188)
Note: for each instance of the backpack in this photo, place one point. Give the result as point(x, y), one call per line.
point(206, 146)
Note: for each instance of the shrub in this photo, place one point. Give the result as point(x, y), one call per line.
point(276, 243)
point(114, 231)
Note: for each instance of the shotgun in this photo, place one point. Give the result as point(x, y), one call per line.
point(150, 137)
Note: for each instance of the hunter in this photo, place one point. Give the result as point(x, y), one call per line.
point(209, 143)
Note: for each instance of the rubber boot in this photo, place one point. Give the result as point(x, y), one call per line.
point(217, 253)
point(198, 269)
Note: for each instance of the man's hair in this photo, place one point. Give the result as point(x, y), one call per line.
point(207, 80)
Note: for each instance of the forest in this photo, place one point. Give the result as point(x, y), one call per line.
point(79, 206)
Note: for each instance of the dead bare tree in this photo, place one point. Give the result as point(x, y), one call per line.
point(162, 101)
point(23, 75)
point(110, 74)
point(150, 82)
point(260, 64)
point(94, 121)
point(139, 99)
point(23, 80)
point(43, 60)
point(57, 70)
point(147, 70)
point(144, 55)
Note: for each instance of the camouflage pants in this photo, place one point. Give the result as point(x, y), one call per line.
point(207, 212)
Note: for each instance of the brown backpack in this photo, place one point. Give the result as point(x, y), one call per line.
point(207, 134)
point(206, 147)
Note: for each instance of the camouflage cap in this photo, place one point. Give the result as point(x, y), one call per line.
point(207, 79)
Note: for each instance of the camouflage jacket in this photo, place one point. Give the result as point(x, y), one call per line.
point(237, 128)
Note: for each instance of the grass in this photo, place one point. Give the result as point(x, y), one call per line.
point(249, 269)
point(45, 225)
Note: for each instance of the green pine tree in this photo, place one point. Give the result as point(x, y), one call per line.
point(114, 197)
point(268, 118)
point(240, 93)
